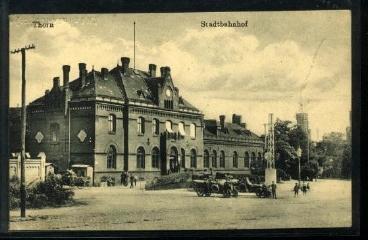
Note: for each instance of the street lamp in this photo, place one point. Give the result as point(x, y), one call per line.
point(299, 154)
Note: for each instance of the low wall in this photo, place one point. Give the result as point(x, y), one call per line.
point(34, 167)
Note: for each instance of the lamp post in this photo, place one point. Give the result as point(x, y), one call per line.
point(299, 154)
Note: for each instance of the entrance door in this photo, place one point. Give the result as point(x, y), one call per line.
point(174, 163)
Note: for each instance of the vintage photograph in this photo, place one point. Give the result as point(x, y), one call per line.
point(180, 121)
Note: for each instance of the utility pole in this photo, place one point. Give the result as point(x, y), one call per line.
point(23, 131)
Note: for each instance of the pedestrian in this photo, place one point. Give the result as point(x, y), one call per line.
point(131, 180)
point(304, 189)
point(135, 180)
point(122, 178)
point(296, 190)
point(308, 187)
point(273, 188)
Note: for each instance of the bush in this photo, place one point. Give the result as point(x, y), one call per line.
point(68, 177)
point(14, 192)
point(42, 194)
point(82, 181)
point(109, 180)
point(177, 180)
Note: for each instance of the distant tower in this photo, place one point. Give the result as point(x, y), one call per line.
point(302, 119)
point(302, 122)
point(270, 170)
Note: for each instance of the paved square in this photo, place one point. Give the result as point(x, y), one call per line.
point(328, 204)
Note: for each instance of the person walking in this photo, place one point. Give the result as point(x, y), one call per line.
point(273, 188)
point(135, 180)
point(296, 189)
point(122, 178)
point(131, 180)
point(304, 189)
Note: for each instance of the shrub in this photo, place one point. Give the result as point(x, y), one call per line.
point(109, 180)
point(68, 177)
point(41, 194)
point(177, 180)
point(82, 181)
point(49, 193)
point(14, 192)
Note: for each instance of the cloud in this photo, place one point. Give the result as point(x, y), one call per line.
point(218, 70)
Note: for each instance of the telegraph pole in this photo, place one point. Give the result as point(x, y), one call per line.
point(23, 131)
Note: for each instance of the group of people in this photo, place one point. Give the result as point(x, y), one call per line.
point(304, 188)
point(126, 176)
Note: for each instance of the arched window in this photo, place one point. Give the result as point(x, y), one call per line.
point(140, 125)
point(206, 159)
point(54, 132)
point(193, 158)
point(259, 157)
point(112, 123)
point(222, 159)
point(253, 157)
point(192, 130)
point(111, 157)
point(246, 160)
point(182, 158)
point(141, 157)
point(235, 160)
point(214, 159)
point(155, 158)
point(155, 126)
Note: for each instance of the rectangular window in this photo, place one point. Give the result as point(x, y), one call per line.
point(192, 130)
point(112, 123)
point(182, 128)
point(140, 125)
point(155, 127)
point(169, 126)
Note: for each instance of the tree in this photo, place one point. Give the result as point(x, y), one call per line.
point(346, 162)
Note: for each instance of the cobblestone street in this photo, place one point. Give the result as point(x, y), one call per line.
point(328, 204)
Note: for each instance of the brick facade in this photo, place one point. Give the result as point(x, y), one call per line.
point(128, 120)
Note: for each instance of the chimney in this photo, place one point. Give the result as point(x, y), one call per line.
point(104, 72)
point(56, 82)
point(152, 70)
point(125, 63)
point(237, 119)
point(66, 70)
point(82, 73)
point(222, 121)
point(165, 71)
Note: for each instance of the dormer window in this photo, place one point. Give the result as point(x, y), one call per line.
point(168, 102)
point(168, 92)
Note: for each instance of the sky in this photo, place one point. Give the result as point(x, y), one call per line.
point(279, 60)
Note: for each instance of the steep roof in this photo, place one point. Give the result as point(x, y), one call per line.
point(133, 85)
point(231, 130)
point(97, 86)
